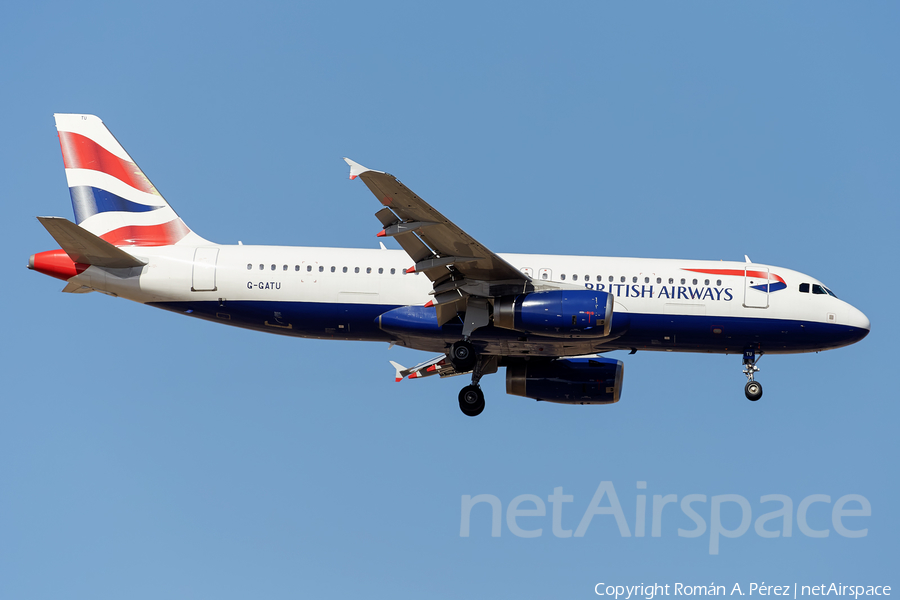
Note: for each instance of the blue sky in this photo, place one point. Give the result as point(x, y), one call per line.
point(145, 455)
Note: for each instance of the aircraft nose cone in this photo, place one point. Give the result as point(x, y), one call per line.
point(859, 322)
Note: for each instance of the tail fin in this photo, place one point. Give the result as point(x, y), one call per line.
point(112, 197)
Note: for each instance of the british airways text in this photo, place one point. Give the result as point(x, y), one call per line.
point(673, 292)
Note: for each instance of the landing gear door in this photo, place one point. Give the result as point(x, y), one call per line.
point(204, 279)
point(756, 287)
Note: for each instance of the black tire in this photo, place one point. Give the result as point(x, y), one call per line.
point(471, 400)
point(753, 391)
point(462, 356)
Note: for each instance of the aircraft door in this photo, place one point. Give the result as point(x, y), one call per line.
point(545, 274)
point(756, 287)
point(204, 277)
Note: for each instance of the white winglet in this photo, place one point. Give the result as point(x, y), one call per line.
point(397, 366)
point(357, 169)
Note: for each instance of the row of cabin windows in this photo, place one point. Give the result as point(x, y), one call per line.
point(816, 289)
point(635, 279)
point(321, 269)
point(599, 278)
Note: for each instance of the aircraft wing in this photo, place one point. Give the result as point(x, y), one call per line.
point(439, 365)
point(459, 266)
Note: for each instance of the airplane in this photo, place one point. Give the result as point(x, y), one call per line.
point(546, 319)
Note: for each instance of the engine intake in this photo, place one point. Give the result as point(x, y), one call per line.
point(568, 313)
point(567, 380)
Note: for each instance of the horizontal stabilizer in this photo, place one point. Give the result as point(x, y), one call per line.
point(84, 247)
point(77, 288)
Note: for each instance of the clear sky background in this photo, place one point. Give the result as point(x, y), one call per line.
point(147, 455)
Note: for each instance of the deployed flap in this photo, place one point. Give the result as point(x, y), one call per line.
point(442, 237)
point(439, 365)
point(84, 247)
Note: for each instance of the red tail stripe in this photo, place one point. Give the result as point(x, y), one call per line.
point(165, 234)
point(80, 152)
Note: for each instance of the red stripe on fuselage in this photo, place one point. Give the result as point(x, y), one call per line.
point(80, 152)
point(165, 234)
point(737, 273)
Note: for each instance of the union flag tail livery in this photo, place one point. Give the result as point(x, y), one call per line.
point(111, 196)
point(545, 319)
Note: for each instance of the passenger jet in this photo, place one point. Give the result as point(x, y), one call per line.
point(546, 319)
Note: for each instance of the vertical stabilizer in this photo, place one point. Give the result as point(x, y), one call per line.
point(112, 197)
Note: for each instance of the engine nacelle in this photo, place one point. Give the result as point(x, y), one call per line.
point(567, 380)
point(565, 313)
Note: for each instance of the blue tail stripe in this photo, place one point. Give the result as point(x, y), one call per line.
point(88, 201)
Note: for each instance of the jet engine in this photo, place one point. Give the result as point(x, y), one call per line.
point(563, 313)
point(567, 380)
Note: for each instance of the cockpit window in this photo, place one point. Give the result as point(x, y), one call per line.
point(830, 293)
point(804, 287)
point(821, 289)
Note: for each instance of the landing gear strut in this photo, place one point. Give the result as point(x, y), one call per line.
point(753, 390)
point(471, 398)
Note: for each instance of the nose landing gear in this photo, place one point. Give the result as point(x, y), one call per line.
point(753, 390)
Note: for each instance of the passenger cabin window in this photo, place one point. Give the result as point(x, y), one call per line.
point(249, 266)
point(321, 268)
point(380, 270)
point(356, 269)
point(634, 280)
point(622, 279)
point(309, 268)
point(647, 280)
point(262, 267)
point(284, 268)
point(332, 269)
point(393, 271)
point(575, 277)
point(671, 280)
point(718, 282)
point(659, 280)
point(706, 282)
point(682, 281)
point(297, 268)
point(804, 287)
point(695, 282)
point(611, 279)
point(368, 269)
point(273, 267)
point(563, 277)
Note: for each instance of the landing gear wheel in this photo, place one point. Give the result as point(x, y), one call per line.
point(471, 400)
point(753, 391)
point(462, 356)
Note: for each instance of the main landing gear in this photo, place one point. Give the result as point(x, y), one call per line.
point(463, 357)
point(471, 400)
point(753, 390)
